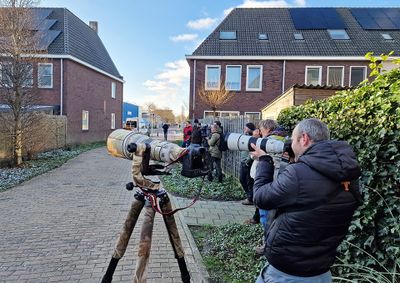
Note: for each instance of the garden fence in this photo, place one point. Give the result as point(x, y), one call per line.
point(231, 159)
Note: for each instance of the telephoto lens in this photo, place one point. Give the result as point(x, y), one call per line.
point(243, 142)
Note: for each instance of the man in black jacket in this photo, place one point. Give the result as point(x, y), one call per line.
point(315, 202)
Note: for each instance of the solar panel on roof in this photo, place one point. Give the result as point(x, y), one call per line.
point(45, 39)
point(377, 18)
point(316, 18)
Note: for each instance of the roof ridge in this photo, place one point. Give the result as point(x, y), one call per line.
point(66, 33)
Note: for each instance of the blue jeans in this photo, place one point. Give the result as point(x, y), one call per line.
point(270, 274)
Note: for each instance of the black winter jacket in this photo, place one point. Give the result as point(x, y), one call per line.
point(313, 209)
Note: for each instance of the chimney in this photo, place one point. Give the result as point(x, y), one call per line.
point(93, 25)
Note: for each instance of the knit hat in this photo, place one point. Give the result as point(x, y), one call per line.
point(251, 126)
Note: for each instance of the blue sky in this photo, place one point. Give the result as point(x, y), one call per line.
point(148, 39)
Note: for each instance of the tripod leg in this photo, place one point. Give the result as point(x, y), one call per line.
point(123, 238)
point(175, 240)
point(144, 245)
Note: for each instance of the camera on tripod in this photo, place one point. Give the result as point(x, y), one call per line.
point(125, 144)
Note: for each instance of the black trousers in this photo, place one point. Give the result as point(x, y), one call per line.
point(246, 181)
point(215, 163)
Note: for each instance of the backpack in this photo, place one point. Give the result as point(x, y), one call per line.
point(222, 145)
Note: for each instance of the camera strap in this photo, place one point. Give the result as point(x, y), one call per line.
point(155, 204)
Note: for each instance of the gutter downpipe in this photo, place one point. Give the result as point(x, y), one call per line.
point(283, 75)
point(62, 87)
point(194, 87)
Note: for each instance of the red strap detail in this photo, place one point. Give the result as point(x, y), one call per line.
point(346, 185)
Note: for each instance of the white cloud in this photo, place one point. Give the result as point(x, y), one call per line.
point(203, 23)
point(184, 37)
point(263, 4)
point(301, 3)
point(170, 87)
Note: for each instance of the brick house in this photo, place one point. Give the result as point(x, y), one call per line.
point(259, 53)
point(76, 77)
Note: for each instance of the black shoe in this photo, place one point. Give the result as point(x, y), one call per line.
point(247, 202)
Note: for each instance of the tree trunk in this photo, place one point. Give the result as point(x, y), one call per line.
point(18, 142)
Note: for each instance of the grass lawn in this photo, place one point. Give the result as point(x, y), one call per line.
point(46, 161)
point(230, 259)
point(229, 189)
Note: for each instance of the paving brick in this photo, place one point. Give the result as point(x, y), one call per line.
point(62, 226)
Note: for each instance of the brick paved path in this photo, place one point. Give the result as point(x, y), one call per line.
point(215, 212)
point(62, 227)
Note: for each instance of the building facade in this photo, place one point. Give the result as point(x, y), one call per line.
point(259, 53)
point(76, 76)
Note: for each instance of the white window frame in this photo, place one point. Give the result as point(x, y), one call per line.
point(112, 121)
point(327, 74)
point(259, 114)
point(240, 77)
point(85, 127)
point(206, 78)
point(247, 78)
point(319, 74)
point(220, 112)
point(52, 75)
point(113, 89)
point(365, 73)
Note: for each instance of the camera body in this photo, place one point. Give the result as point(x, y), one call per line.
point(194, 162)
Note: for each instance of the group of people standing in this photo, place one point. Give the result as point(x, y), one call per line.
point(305, 198)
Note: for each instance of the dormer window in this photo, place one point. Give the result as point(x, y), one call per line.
point(227, 35)
point(263, 36)
point(386, 36)
point(338, 34)
point(298, 36)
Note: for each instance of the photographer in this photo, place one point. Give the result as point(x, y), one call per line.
point(314, 201)
point(245, 164)
point(215, 153)
point(196, 134)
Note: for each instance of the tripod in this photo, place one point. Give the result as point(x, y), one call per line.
point(147, 193)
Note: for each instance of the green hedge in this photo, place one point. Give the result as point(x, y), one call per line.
point(368, 117)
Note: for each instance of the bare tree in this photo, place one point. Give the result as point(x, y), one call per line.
point(19, 47)
point(215, 98)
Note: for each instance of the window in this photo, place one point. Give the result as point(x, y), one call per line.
point(213, 73)
point(252, 116)
point(113, 89)
point(313, 75)
point(228, 114)
point(338, 34)
point(335, 75)
point(112, 121)
point(357, 75)
point(263, 36)
point(386, 36)
point(298, 36)
point(233, 77)
point(85, 120)
point(45, 75)
point(6, 75)
point(254, 78)
point(227, 35)
point(27, 73)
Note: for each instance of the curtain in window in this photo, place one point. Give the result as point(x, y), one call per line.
point(335, 76)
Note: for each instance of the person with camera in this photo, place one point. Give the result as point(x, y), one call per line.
point(315, 199)
point(187, 133)
point(215, 153)
point(245, 164)
point(196, 134)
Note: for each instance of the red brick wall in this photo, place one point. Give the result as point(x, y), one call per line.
point(245, 101)
point(85, 89)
